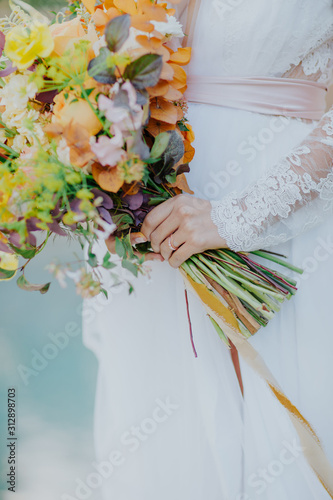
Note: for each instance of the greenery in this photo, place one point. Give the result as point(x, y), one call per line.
point(45, 6)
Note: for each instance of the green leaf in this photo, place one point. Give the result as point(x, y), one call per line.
point(120, 248)
point(105, 293)
point(92, 259)
point(117, 32)
point(128, 246)
point(6, 275)
point(171, 178)
point(99, 69)
point(26, 253)
point(9, 150)
point(127, 264)
point(25, 285)
point(145, 71)
point(175, 150)
point(131, 288)
point(160, 145)
point(88, 92)
point(122, 221)
point(106, 262)
point(183, 127)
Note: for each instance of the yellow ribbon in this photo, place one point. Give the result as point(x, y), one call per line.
point(228, 323)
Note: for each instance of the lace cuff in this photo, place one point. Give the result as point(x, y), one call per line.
point(291, 197)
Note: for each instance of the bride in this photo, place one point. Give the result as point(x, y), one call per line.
point(168, 424)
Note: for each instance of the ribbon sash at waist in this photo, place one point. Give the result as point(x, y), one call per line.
point(271, 96)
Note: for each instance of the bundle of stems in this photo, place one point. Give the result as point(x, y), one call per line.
point(251, 290)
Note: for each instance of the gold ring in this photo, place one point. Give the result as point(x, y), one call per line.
point(171, 245)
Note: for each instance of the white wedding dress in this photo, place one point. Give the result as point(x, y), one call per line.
point(167, 424)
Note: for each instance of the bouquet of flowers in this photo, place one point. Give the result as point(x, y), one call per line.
point(94, 135)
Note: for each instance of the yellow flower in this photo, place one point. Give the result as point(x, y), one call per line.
point(24, 44)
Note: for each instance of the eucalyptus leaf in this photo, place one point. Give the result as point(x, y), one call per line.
point(145, 71)
point(117, 32)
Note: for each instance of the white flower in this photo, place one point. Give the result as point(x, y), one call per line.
point(19, 143)
point(17, 92)
point(170, 29)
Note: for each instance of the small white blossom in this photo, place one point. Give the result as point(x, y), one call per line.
point(17, 92)
point(170, 29)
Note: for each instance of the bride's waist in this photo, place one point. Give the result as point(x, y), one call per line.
point(265, 95)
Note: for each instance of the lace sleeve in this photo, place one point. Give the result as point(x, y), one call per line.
point(293, 196)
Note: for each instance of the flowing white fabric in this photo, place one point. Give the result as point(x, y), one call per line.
point(175, 426)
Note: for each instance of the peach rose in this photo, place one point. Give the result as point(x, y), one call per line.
point(69, 32)
point(79, 112)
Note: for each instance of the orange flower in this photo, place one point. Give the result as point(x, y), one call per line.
point(156, 127)
point(109, 179)
point(189, 135)
point(77, 139)
point(69, 108)
point(142, 12)
point(69, 32)
point(164, 111)
point(181, 184)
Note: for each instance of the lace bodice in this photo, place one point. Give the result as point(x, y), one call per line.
point(294, 39)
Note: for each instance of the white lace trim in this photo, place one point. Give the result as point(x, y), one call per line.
point(320, 62)
point(289, 199)
point(316, 56)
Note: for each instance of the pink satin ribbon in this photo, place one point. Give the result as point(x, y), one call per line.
point(270, 96)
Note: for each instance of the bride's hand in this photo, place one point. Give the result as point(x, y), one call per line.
point(183, 222)
point(135, 239)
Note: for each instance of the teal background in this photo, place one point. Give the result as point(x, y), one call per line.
point(55, 404)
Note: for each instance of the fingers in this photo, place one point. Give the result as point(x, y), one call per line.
point(136, 238)
point(181, 255)
point(156, 217)
point(111, 244)
point(162, 232)
point(152, 256)
point(177, 239)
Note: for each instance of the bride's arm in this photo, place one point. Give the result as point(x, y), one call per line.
point(291, 197)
